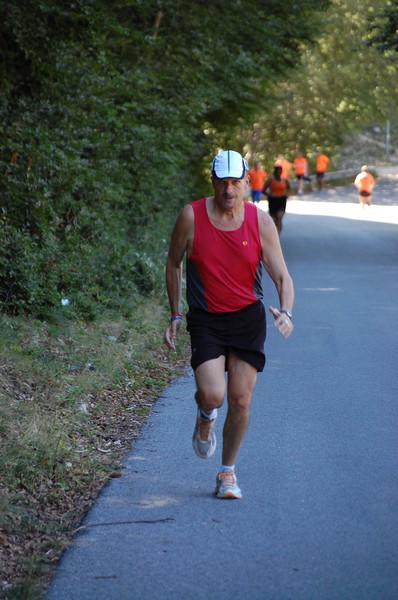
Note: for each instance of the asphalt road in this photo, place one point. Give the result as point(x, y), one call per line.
point(318, 469)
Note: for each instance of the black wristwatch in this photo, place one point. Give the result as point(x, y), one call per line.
point(287, 312)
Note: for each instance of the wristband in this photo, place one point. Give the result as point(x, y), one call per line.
point(287, 313)
point(175, 317)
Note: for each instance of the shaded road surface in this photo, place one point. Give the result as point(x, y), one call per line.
point(318, 469)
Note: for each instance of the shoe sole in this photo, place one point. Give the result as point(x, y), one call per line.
point(229, 496)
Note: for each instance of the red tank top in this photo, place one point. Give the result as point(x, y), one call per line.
point(224, 267)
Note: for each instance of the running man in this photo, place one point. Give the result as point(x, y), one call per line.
point(226, 241)
point(277, 189)
point(257, 176)
point(364, 182)
point(322, 164)
point(300, 166)
point(281, 161)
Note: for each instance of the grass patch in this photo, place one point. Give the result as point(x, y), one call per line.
point(73, 397)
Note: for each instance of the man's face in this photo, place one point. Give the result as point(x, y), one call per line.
point(229, 191)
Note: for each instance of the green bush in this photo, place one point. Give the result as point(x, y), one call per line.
point(109, 113)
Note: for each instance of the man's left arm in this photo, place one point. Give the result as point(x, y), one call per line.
point(274, 263)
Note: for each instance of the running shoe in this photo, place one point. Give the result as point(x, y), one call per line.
point(227, 485)
point(204, 439)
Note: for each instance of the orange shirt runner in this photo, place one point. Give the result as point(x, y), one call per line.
point(279, 187)
point(322, 163)
point(286, 167)
point(257, 178)
point(300, 166)
point(364, 182)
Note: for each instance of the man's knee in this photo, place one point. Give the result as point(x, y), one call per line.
point(239, 402)
point(208, 399)
point(210, 383)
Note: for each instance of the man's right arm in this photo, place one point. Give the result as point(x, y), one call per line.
point(180, 243)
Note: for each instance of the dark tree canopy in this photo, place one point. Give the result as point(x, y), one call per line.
point(384, 29)
point(109, 113)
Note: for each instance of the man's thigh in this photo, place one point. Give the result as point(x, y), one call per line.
point(242, 377)
point(210, 377)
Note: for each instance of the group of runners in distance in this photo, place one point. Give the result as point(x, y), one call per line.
point(277, 189)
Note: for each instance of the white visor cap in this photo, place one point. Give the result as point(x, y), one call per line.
point(229, 164)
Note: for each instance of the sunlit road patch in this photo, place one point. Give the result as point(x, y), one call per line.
point(345, 210)
point(379, 214)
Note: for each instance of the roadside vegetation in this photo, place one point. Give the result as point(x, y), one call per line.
point(73, 397)
point(109, 113)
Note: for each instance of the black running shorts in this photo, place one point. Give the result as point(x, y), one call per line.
point(276, 204)
point(215, 334)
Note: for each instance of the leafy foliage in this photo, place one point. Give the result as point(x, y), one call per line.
point(342, 85)
point(109, 112)
point(384, 29)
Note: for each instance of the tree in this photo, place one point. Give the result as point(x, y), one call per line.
point(109, 112)
point(384, 29)
point(342, 85)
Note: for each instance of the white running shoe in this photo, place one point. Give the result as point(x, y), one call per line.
point(204, 439)
point(227, 485)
